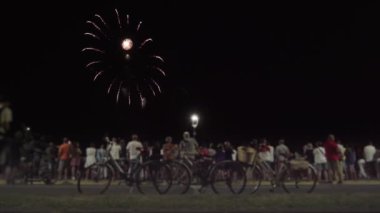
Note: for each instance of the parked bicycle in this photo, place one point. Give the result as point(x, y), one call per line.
point(220, 176)
point(295, 175)
point(146, 176)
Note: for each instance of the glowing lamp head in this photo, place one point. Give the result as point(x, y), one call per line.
point(127, 44)
point(194, 120)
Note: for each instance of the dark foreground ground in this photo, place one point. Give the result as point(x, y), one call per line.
point(350, 197)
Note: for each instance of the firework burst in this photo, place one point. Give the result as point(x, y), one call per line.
point(119, 54)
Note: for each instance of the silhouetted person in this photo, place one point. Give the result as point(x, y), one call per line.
point(6, 117)
point(188, 146)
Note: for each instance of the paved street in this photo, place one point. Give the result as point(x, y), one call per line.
point(349, 197)
point(70, 189)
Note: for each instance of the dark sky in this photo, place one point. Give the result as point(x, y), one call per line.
point(249, 70)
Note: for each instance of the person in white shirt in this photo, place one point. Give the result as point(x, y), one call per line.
point(265, 155)
point(188, 146)
point(90, 155)
point(234, 154)
point(362, 172)
point(90, 158)
point(134, 149)
point(271, 155)
point(114, 148)
point(377, 163)
point(320, 160)
point(369, 151)
point(342, 159)
point(281, 154)
point(368, 154)
point(264, 150)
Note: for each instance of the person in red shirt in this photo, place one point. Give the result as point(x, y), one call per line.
point(203, 151)
point(170, 150)
point(63, 156)
point(332, 155)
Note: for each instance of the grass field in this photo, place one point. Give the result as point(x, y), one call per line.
point(342, 202)
point(327, 198)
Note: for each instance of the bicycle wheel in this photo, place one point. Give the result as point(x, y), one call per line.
point(47, 177)
point(153, 177)
point(95, 179)
point(254, 178)
point(19, 177)
point(181, 177)
point(298, 180)
point(228, 174)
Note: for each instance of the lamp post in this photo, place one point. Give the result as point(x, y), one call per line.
point(194, 123)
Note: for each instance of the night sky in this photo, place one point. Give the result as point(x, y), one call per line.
point(298, 71)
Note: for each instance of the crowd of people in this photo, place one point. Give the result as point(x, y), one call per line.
point(333, 160)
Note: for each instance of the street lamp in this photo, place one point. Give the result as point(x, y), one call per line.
point(194, 123)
